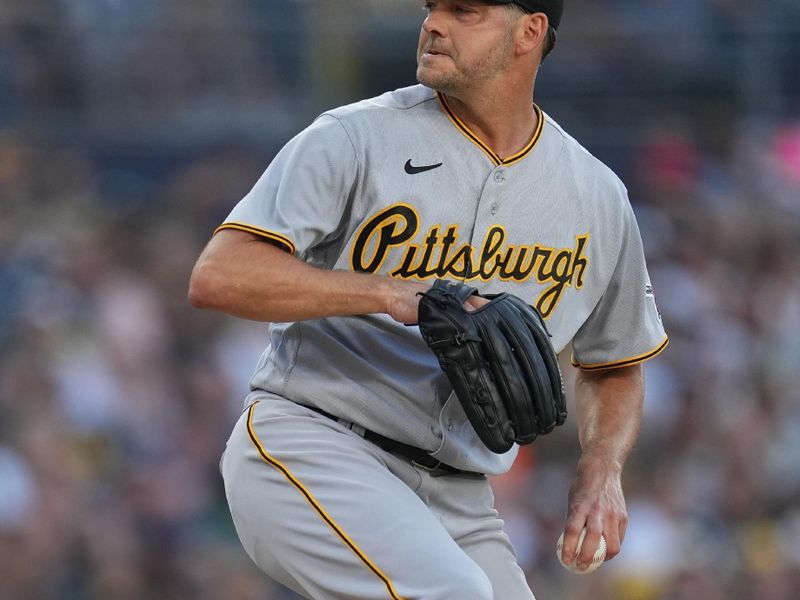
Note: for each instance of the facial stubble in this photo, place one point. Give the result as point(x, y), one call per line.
point(466, 75)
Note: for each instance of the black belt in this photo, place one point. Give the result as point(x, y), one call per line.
point(417, 456)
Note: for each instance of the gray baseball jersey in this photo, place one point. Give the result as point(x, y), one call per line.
point(399, 185)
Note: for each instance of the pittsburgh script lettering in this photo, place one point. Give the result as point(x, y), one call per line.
point(439, 254)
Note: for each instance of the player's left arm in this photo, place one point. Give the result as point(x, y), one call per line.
point(609, 411)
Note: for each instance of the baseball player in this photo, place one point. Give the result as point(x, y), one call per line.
point(352, 472)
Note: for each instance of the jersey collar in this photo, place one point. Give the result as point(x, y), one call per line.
point(461, 126)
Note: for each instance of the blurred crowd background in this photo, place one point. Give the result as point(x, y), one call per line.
point(129, 128)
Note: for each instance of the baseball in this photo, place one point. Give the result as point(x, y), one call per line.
point(597, 559)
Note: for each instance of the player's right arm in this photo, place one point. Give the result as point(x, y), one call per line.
point(303, 197)
point(300, 200)
point(240, 274)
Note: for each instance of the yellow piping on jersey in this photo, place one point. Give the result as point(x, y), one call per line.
point(624, 362)
point(515, 158)
point(317, 506)
point(282, 241)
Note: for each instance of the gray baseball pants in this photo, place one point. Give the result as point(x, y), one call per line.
point(332, 516)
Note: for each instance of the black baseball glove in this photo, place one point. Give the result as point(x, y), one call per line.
point(499, 360)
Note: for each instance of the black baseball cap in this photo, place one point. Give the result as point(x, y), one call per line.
point(552, 8)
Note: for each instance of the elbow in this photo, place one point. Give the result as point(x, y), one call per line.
point(203, 288)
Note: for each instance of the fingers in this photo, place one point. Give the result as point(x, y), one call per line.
point(593, 520)
point(585, 544)
point(623, 527)
point(474, 302)
point(572, 532)
point(615, 536)
point(594, 529)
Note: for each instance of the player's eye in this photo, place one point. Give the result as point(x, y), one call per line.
point(466, 12)
point(461, 10)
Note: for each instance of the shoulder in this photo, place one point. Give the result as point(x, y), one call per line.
point(399, 100)
point(402, 114)
point(385, 111)
point(345, 134)
point(585, 170)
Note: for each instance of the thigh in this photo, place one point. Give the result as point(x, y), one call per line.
point(316, 507)
point(466, 509)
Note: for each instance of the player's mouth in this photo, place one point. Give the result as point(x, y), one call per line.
point(430, 53)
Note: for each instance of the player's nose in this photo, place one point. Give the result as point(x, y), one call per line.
point(435, 24)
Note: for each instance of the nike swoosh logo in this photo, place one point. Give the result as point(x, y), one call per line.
point(412, 170)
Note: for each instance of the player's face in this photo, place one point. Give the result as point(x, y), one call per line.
point(463, 44)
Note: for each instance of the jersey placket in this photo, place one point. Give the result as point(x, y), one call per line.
point(489, 220)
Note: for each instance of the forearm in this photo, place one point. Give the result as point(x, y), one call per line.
point(609, 412)
point(246, 277)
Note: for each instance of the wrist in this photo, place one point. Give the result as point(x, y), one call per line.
point(399, 298)
point(594, 461)
point(392, 293)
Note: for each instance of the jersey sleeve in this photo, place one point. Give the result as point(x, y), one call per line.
point(625, 327)
point(300, 199)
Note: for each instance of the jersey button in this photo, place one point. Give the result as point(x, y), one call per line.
point(499, 177)
point(495, 208)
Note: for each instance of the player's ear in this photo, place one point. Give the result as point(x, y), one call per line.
point(532, 33)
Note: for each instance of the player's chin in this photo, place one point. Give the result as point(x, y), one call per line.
point(432, 78)
point(424, 76)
